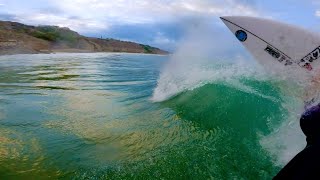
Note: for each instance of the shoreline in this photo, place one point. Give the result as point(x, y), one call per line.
point(68, 52)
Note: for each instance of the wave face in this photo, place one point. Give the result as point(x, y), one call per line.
point(257, 110)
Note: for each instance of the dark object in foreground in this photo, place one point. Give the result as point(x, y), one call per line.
point(306, 164)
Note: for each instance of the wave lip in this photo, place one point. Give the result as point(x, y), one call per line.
point(173, 81)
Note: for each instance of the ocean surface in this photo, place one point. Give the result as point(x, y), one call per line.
point(131, 116)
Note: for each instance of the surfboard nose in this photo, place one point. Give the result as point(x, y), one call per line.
point(226, 19)
point(222, 18)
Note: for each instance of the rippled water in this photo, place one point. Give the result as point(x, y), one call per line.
point(96, 116)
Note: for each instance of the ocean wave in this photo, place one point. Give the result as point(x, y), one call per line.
point(258, 104)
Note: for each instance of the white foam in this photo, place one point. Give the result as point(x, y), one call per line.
point(201, 58)
point(286, 140)
point(194, 76)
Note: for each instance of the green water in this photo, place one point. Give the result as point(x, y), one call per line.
point(92, 116)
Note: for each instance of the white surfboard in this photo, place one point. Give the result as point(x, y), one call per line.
point(277, 43)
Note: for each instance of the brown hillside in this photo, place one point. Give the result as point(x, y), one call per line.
point(17, 38)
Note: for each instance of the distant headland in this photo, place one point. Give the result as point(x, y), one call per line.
point(17, 38)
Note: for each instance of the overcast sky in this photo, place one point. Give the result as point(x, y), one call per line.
point(160, 23)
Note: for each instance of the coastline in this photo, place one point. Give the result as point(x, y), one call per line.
point(17, 38)
point(81, 52)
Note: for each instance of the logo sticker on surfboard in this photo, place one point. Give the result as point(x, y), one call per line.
point(307, 60)
point(241, 35)
point(314, 55)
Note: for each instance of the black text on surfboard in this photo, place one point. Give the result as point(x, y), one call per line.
point(277, 55)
